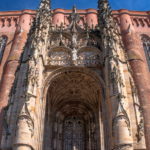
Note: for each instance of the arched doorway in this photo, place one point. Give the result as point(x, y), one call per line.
point(73, 114)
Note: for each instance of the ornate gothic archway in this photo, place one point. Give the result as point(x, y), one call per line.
point(73, 114)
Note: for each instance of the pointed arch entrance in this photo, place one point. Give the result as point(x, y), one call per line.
point(73, 111)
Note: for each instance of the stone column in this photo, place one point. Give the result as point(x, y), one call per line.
point(25, 130)
point(13, 61)
point(25, 135)
point(121, 130)
point(139, 67)
point(121, 127)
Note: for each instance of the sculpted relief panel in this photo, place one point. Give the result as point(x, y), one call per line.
point(86, 57)
point(59, 58)
point(89, 57)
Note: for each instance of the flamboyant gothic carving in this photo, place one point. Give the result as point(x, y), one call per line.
point(114, 60)
point(74, 45)
point(139, 114)
point(74, 88)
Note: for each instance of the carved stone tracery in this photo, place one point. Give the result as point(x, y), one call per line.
point(139, 114)
point(114, 60)
point(74, 38)
point(75, 100)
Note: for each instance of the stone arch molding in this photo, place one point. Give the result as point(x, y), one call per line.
point(60, 71)
point(72, 93)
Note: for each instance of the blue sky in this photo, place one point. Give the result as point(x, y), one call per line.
point(140, 5)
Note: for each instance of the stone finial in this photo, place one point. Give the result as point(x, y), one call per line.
point(45, 4)
point(43, 12)
point(104, 3)
point(74, 19)
point(101, 1)
point(104, 13)
point(74, 9)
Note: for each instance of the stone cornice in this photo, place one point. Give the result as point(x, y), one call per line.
point(80, 11)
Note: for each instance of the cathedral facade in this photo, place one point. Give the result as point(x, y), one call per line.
point(75, 79)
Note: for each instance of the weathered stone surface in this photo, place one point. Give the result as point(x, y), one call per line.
point(69, 82)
